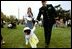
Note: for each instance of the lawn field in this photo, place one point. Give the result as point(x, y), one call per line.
point(14, 38)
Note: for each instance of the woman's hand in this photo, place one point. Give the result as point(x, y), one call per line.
point(29, 14)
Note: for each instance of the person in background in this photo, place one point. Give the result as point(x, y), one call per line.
point(2, 25)
point(2, 41)
point(29, 18)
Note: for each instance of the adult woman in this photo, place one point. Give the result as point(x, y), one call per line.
point(29, 18)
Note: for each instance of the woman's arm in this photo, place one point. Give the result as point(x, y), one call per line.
point(29, 19)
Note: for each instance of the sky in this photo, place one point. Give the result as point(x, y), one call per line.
point(11, 7)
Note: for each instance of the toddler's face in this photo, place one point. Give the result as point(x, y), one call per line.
point(27, 32)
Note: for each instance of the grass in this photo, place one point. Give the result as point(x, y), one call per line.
point(14, 38)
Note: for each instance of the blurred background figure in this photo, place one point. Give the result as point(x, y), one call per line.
point(2, 41)
point(29, 20)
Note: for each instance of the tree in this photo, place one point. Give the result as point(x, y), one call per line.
point(12, 18)
point(61, 13)
point(3, 16)
point(57, 6)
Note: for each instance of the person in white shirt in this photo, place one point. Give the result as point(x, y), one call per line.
point(9, 25)
point(28, 18)
point(69, 22)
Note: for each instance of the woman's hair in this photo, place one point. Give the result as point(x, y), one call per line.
point(43, 1)
point(30, 11)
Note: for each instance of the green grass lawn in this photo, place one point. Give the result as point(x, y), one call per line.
point(14, 38)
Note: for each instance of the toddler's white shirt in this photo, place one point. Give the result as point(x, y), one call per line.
point(32, 38)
